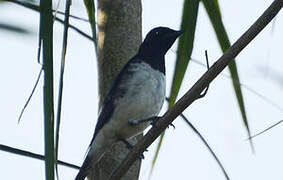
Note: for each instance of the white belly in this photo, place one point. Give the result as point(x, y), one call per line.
point(141, 101)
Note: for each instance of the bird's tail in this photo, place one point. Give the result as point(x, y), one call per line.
point(81, 175)
point(83, 170)
point(92, 157)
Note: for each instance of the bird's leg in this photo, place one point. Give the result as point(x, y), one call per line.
point(129, 146)
point(151, 119)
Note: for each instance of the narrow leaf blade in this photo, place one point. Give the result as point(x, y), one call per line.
point(184, 51)
point(13, 28)
point(90, 7)
point(33, 155)
point(46, 35)
point(185, 46)
point(212, 8)
point(61, 82)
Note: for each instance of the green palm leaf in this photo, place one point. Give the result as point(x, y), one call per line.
point(90, 7)
point(61, 80)
point(184, 51)
point(46, 37)
point(213, 11)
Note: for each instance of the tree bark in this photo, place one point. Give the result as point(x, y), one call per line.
point(119, 37)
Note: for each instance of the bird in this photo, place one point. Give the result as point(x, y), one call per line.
point(135, 98)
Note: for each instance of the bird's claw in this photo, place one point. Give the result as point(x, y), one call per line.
point(171, 124)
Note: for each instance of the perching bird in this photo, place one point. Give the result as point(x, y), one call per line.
point(137, 94)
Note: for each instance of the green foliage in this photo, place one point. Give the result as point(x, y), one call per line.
point(46, 37)
point(185, 46)
point(90, 7)
point(212, 8)
point(184, 51)
point(28, 154)
point(61, 80)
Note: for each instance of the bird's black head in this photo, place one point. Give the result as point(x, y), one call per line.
point(158, 41)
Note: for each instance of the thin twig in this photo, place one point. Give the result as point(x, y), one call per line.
point(73, 16)
point(30, 96)
point(265, 130)
point(76, 29)
point(56, 10)
point(197, 88)
point(33, 155)
point(36, 8)
point(251, 90)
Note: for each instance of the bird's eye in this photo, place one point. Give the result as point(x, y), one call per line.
point(157, 33)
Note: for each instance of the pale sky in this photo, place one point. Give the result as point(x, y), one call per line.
point(183, 155)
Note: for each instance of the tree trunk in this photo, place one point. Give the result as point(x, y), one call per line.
point(119, 36)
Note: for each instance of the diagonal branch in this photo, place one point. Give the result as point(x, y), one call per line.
point(198, 87)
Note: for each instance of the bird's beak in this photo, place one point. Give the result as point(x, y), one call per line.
point(175, 34)
point(178, 33)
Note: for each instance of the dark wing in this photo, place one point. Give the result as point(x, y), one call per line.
point(107, 110)
point(114, 93)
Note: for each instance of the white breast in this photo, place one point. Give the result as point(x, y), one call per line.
point(141, 101)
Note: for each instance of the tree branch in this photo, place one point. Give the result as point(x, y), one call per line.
point(198, 87)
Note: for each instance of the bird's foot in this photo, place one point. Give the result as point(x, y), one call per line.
point(130, 146)
point(171, 124)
